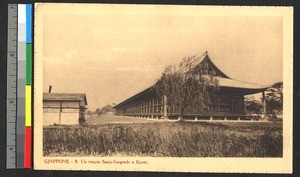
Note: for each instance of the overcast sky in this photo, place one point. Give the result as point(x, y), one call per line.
point(112, 56)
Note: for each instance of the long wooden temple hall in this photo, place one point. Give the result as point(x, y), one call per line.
point(230, 104)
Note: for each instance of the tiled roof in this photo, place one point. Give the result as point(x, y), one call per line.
point(226, 82)
point(65, 96)
point(201, 58)
point(195, 61)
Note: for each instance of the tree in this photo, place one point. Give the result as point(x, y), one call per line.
point(274, 98)
point(88, 112)
point(188, 86)
point(253, 106)
point(98, 111)
point(106, 109)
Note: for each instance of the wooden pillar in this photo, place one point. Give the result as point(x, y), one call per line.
point(165, 106)
point(243, 105)
point(218, 104)
point(231, 99)
point(60, 111)
point(264, 105)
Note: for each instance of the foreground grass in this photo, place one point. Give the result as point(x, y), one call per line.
point(180, 139)
point(111, 119)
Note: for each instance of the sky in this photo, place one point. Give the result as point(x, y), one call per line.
point(112, 54)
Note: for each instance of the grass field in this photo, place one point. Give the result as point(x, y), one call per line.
point(110, 136)
point(96, 120)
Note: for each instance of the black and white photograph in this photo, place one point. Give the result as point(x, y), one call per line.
point(133, 87)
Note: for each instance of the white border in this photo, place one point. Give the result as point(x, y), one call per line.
point(219, 165)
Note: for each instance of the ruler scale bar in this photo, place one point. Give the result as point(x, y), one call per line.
point(19, 76)
point(11, 86)
point(21, 84)
point(28, 135)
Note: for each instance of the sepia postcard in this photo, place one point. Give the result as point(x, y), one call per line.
point(165, 88)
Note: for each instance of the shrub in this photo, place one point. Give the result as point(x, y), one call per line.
point(165, 140)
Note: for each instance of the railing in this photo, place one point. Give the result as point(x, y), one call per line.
point(205, 116)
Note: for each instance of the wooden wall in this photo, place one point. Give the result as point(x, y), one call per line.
point(147, 106)
point(153, 106)
point(62, 112)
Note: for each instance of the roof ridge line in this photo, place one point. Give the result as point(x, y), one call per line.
point(249, 82)
point(196, 60)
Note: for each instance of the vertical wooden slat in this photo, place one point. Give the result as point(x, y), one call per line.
point(264, 104)
point(242, 104)
point(60, 111)
point(165, 104)
point(232, 107)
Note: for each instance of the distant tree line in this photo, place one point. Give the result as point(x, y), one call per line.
point(274, 101)
point(107, 109)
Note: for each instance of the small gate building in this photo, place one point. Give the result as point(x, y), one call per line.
point(230, 103)
point(64, 108)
